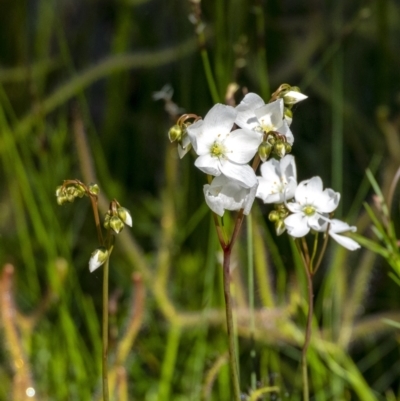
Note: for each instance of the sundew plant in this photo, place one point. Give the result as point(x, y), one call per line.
point(226, 141)
point(199, 200)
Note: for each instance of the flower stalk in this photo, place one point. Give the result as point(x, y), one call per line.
point(115, 219)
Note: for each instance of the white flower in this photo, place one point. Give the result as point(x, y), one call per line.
point(254, 114)
point(278, 180)
point(311, 207)
point(98, 257)
point(226, 194)
point(337, 227)
point(222, 151)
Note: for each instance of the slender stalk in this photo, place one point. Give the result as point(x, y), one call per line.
point(250, 263)
point(307, 339)
point(229, 322)
point(105, 331)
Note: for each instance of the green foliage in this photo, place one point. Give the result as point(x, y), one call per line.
point(75, 102)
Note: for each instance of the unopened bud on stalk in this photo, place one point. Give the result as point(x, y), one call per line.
point(273, 216)
point(94, 189)
point(125, 216)
point(116, 224)
point(288, 148)
point(280, 227)
point(99, 256)
point(175, 133)
point(280, 149)
point(264, 150)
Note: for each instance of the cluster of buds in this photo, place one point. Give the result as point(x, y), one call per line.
point(178, 133)
point(275, 144)
point(278, 216)
point(69, 191)
point(116, 217)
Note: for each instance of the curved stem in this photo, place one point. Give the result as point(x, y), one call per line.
point(229, 322)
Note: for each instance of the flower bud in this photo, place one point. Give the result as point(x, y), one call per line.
point(273, 216)
point(94, 189)
point(280, 149)
point(61, 199)
point(280, 227)
point(106, 223)
point(264, 150)
point(59, 191)
point(293, 96)
point(175, 133)
point(80, 191)
point(116, 224)
point(98, 257)
point(288, 147)
point(125, 216)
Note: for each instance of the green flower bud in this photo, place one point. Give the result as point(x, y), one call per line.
point(264, 150)
point(288, 114)
point(288, 147)
point(280, 227)
point(80, 191)
point(273, 216)
point(279, 149)
point(61, 200)
point(59, 191)
point(94, 189)
point(106, 223)
point(175, 133)
point(116, 224)
point(125, 216)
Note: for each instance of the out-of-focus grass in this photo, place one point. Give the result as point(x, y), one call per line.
point(75, 101)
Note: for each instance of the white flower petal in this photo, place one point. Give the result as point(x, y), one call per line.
point(246, 117)
point(271, 114)
point(318, 222)
point(195, 131)
point(241, 145)
point(347, 242)
point(285, 130)
point(220, 119)
point(225, 194)
point(327, 201)
point(337, 227)
point(240, 172)
point(216, 125)
point(208, 164)
point(296, 225)
point(288, 167)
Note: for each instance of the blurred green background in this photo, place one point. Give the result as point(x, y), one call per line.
point(76, 101)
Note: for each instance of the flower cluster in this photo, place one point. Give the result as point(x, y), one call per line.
point(115, 218)
point(228, 138)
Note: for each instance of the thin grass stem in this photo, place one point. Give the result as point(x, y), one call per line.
point(229, 322)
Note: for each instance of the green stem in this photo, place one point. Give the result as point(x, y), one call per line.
point(307, 339)
point(229, 322)
point(105, 330)
point(250, 263)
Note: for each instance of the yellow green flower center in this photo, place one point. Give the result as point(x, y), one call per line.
point(217, 149)
point(309, 210)
point(267, 127)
